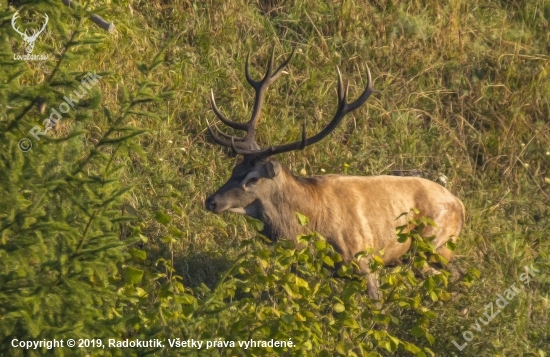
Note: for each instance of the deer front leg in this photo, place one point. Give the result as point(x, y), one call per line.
point(373, 286)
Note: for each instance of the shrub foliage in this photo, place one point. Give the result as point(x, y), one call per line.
point(304, 295)
point(84, 254)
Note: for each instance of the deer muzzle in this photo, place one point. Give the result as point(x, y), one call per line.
point(213, 204)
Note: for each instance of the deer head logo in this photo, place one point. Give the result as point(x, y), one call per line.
point(30, 37)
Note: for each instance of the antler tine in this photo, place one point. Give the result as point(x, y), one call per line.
point(261, 86)
point(284, 64)
point(343, 108)
point(230, 123)
point(267, 76)
point(247, 71)
point(272, 150)
point(214, 137)
point(227, 136)
point(341, 93)
point(229, 143)
point(364, 96)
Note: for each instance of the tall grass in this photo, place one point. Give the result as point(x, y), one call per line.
point(464, 93)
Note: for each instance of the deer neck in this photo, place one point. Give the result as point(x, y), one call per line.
point(291, 194)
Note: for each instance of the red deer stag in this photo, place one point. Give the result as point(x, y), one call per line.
point(351, 212)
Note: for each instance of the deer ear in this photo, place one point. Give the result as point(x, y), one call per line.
point(273, 168)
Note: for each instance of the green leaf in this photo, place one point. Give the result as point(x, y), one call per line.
point(429, 314)
point(263, 263)
point(257, 224)
point(341, 348)
point(381, 318)
point(168, 239)
point(419, 263)
point(402, 237)
point(338, 307)
point(451, 245)
point(140, 254)
point(395, 340)
point(429, 351)
point(428, 221)
point(410, 347)
point(350, 322)
point(343, 271)
point(141, 292)
point(361, 254)
point(176, 232)
point(430, 338)
point(186, 299)
point(328, 261)
point(299, 317)
point(474, 272)
point(418, 331)
point(445, 295)
point(288, 319)
point(108, 114)
point(320, 245)
point(307, 345)
point(162, 218)
point(301, 282)
point(402, 215)
point(133, 275)
point(429, 283)
point(303, 220)
point(290, 291)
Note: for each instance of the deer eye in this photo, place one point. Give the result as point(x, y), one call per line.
point(252, 181)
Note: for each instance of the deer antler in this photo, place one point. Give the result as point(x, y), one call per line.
point(248, 142)
point(247, 145)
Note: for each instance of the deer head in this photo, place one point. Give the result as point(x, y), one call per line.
point(31, 37)
point(257, 177)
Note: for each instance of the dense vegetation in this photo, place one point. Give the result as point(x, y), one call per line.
point(103, 233)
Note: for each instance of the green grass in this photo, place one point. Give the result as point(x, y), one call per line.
point(464, 93)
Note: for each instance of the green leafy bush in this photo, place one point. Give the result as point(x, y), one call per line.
point(303, 295)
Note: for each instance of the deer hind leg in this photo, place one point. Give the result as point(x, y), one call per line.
point(445, 253)
point(457, 272)
point(449, 225)
point(442, 233)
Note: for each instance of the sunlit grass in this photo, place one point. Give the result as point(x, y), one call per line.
point(464, 93)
